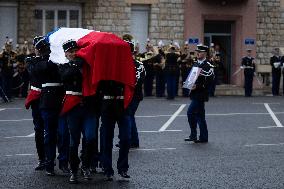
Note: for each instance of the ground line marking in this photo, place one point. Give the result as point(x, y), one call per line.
point(15, 120)
point(152, 149)
point(27, 136)
point(278, 123)
point(172, 118)
point(269, 127)
point(159, 131)
point(252, 145)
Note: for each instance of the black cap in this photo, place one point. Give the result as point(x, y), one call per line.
point(127, 37)
point(202, 48)
point(41, 44)
point(37, 38)
point(70, 44)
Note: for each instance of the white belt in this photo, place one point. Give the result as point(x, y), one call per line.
point(247, 67)
point(51, 84)
point(113, 97)
point(73, 93)
point(35, 88)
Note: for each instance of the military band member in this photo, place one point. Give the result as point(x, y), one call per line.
point(80, 113)
point(276, 63)
point(7, 60)
point(218, 68)
point(171, 72)
point(32, 101)
point(185, 62)
point(159, 66)
point(249, 69)
point(149, 66)
point(198, 96)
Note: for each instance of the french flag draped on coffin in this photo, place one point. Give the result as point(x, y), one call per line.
point(107, 57)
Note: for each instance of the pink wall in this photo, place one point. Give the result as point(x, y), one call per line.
point(243, 13)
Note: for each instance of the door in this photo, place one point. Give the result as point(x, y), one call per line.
point(8, 22)
point(140, 25)
point(219, 33)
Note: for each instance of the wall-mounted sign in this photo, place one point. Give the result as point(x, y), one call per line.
point(249, 41)
point(193, 41)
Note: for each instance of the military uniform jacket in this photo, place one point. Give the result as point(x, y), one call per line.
point(172, 67)
point(203, 81)
point(112, 94)
point(273, 60)
point(140, 77)
point(51, 96)
point(6, 62)
point(248, 62)
point(33, 68)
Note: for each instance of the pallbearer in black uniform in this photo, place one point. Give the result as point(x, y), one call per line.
point(112, 112)
point(198, 96)
point(50, 102)
point(276, 63)
point(32, 101)
point(249, 68)
point(81, 112)
point(137, 96)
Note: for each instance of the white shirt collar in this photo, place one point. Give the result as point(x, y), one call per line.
point(201, 61)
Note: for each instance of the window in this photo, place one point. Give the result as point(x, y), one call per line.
point(8, 14)
point(47, 18)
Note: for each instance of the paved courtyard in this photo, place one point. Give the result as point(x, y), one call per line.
point(245, 149)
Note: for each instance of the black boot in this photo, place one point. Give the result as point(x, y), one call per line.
point(73, 178)
point(40, 166)
point(86, 173)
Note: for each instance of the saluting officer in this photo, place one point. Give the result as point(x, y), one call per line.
point(199, 95)
point(249, 68)
point(275, 62)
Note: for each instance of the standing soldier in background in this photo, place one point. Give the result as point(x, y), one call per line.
point(198, 96)
point(275, 62)
point(32, 101)
point(249, 68)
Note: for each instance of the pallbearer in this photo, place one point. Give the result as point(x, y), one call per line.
point(32, 101)
point(50, 102)
point(80, 113)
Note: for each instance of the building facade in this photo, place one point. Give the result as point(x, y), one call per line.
point(235, 25)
